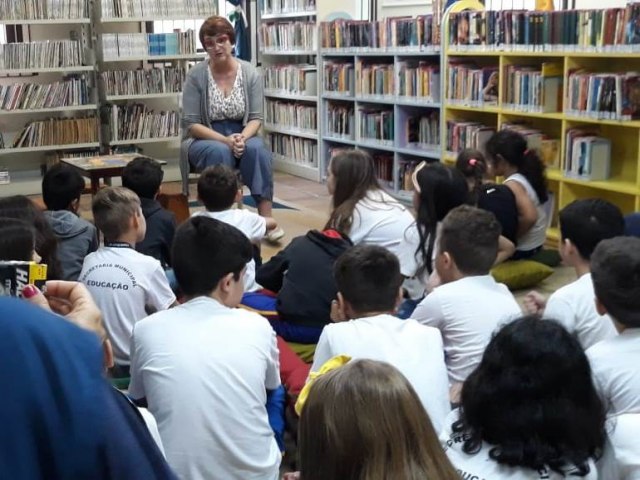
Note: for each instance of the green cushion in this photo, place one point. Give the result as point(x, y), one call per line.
point(517, 274)
point(304, 351)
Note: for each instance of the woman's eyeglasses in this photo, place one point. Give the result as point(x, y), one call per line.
point(217, 41)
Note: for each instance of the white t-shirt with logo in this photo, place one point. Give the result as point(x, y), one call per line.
point(413, 349)
point(467, 312)
point(480, 466)
point(205, 370)
point(379, 219)
point(615, 363)
point(123, 282)
point(574, 307)
point(623, 433)
point(253, 226)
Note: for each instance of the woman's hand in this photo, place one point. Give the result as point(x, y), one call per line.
point(238, 145)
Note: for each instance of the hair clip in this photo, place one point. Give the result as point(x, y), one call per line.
point(526, 152)
point(473, 162)
point(414, 176)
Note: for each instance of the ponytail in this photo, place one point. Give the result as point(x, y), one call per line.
point(533, 169)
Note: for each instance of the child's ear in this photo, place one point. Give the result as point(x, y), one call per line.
point(345, 307)
point(447, 260)
point(400, 297)
point(226, 283)
point(107, 350)
point(600, 308)
point(238, 196)
point(75, 205)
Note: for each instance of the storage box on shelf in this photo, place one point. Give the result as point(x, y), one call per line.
point(288, 46)
point(381, 92)
point(566, 80)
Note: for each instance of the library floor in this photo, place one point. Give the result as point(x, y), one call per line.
point(309, 204)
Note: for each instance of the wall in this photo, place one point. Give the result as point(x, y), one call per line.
point(395, 8)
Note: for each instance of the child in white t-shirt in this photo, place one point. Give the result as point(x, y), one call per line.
point(368, 280)
point(125, 284)
point(529, 411)
point(219, 190)
point(615, 271)
point(470, 304)
point(623, 433)
point(205, 367)
point(583, 224)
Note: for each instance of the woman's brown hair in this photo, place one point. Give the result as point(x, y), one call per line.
point(364, 421)
point(354, 175)
point(216, 25)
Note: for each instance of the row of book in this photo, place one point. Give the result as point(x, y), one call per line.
point(421, 32)
point(588, 156)
point(612, 29)
point(288, 36)
point(58, 131)
point(472, 85)
point(157, 8)
point(611, 96)
point(383, 165)
point(423, 132)
point(137, 121)
point(71, 91)
point(376, 124)
point(286, 6)
point(300, 79)
point(43, 10)
point(144, 81)
point(421, 79)
point(293, 149)
point(47, 54)
point(374, 79)
point(53, 158)
point(338, 77)
point(548, 148)
point(462, 135)
point(340, 120)
point(533, 89)
point(291, 115)
point(125, 45)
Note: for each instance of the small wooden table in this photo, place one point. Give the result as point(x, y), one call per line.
point(102, 166)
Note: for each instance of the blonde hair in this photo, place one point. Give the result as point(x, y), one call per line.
point(112, 208)
point(364, 421)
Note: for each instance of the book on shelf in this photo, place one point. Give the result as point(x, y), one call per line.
point(339, 77)
point(157, 8)
point(47, 10)
point(472, 85)
point(73, 90)
point(423, 132)
point(534, 88)
point(143, 81)
point(340, 120)
point(291, 115)
point(548, 148)
point(287, 36)
point(293, 149)
point(374, 79)
point(138, 122)
point(299, 79)
point(116, 45)
point(607, 30)
point(419, 79)
point(57, 131)
point(610, 96)
point(462, 135)
point(272, 7)
point(45, 54)
point(412, 33)
point(588, 156)
point(383, 164)
point(376, 124)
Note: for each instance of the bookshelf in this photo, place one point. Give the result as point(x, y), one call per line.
point(578, 60)
point(48, 91)
point(381, 93)
point(288, 49)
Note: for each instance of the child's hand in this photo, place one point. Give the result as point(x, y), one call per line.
point(534, 303)
point(337, 313)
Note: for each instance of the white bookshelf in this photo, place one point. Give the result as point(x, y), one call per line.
point(49, 148)
point(157, 58)
point(306, 58)
point(146, 96)
point(69, 108)
point(31, 71)
point(136, 141)
point(53, 21)
point(149, 19)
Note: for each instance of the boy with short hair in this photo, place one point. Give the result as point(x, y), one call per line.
point(615, 270)
point(469, 304)
point(205, 366)
point(218, 190)
point(369, 284)
point(143, 175)
point(583, 225)
point(62, 187)
point(123, 282)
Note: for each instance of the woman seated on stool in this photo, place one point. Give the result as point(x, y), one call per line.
point(222, 113)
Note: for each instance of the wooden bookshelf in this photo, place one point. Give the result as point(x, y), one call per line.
point(623, 186)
